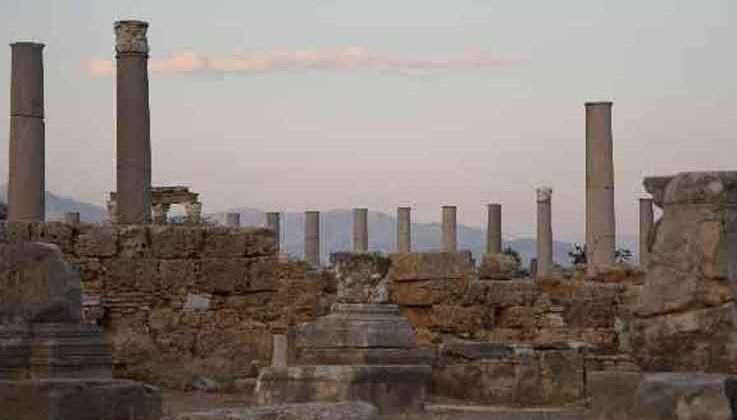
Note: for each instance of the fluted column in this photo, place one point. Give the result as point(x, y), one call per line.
point(494, 229)
point(404, 229)
point(360, 230)
point(544, 232)
point(600, 221)
point(449, 228)
point(312, 237)
point(26, 174)
point(273, 223)
point(646, 225)
point(133, 125)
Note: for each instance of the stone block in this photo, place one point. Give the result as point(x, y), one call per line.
point(427, 292)
point(221, 275)
point(134, 242)
point(69, 399)
point(391, 388)
point(259, 242)
point(358, 326)
point(57, 233)
point(18, 231)
point(666, 396)
point(499, 267)
point(309, 411)
point(130, 274)
point(174, 242)
point(36, 285)
point(612, 394)
point(97, 241)
point(429, 266)
point(360, 276)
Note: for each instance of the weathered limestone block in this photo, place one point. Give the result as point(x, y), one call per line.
point(65, 399)
point(499, 267)
point(510, 374)
point(427, 292)
point(685, 316)
point(661, 396)
point(398, 388)
point(235, 242)
point(57, 233)
point(36, 285)
point(134, 242)
point(428, 266)
point(357, 410)
point(97, 241)
point(172, 241)
point(361, 277)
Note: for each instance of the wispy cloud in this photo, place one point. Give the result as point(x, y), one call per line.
point(345, 59)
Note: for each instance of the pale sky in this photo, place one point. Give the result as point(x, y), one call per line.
point(289, 105)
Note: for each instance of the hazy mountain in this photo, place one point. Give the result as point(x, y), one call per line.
point(56, 206)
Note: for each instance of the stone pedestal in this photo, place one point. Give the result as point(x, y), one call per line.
point(544, 233)
point(26, 175)
point(404, 229)
point(600, 224)
point(494, 230)
point(312, 238)
point(449, 229)
point(362, 350)
point(133, 125)
point(360, 230)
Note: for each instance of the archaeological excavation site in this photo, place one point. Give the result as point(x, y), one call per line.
point(144, 317)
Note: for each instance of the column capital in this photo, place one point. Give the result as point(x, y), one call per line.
point(130, 37)
point(544, 193)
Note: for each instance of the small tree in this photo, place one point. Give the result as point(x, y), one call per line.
point(622, 255)
point(577, 254)
point(514, 254)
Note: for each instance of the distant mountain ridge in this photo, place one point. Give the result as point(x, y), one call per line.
point(56, 206)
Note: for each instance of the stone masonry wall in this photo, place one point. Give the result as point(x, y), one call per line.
point(178, 302)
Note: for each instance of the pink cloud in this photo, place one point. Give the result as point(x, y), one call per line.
point(344, 59)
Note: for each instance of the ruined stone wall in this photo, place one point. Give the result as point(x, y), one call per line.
point(442, 296)
point(179, 302)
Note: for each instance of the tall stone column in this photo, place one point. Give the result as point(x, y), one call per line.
point(600, 224)
point(133, 125)
point(233, 219)
point(312, 237)
point(71, 218)
point(494, 230)
point(273, 223)
point(360, 230)
point(449, 227)
point(26, 174)
point(544, 232)
point(646, 226)
point(404, 229)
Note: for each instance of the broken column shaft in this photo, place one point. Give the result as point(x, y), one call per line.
point(26, 175)
point(360, 230)
point(133, 124)
point(273, 223)
point(233, 219)
point(404, 229)
point(312, 237)
point(449, 228)
point(646, 225)
point(600, 224)
point(494, 229)
point(544, 232)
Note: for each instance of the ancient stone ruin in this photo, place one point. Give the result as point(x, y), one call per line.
point(88, 313)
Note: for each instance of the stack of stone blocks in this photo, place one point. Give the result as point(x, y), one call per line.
point(51, 365)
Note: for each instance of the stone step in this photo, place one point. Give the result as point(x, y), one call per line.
point(475, 412)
